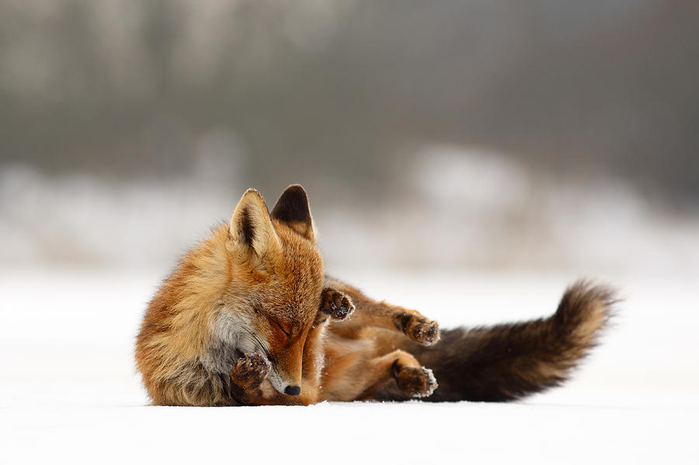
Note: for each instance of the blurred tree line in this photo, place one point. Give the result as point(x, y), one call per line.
point(341, 92)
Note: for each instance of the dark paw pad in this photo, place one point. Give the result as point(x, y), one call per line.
point(416, 381)
point(336, 305)
point(418, 328)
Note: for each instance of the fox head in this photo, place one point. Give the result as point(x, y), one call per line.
point(276, 280)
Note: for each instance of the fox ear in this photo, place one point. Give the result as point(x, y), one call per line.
point(293, 209)
point(251, 227)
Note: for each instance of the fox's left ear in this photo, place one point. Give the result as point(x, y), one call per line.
point(293, 209)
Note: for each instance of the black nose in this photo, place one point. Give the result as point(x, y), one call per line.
point(292, 390)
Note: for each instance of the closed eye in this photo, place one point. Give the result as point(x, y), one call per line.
point(287, 333)
point(261, 346)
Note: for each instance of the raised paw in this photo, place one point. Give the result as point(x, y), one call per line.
point(415, 381)
point(250, 370)
point(418, 328)
point(335, 304)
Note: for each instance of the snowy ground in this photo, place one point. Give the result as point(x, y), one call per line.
point(69, 392)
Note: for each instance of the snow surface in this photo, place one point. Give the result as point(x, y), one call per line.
point(69, 392)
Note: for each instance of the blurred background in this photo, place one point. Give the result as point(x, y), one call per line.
point(484, 135)
point(465, 158)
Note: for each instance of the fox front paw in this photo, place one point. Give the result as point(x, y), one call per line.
point(418, 328)
point(415, 381)
point(335, 305)
point(250, 370)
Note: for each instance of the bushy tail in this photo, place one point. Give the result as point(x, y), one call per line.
point(509, 361)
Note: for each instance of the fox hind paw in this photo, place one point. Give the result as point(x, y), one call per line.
point(418, 328)
point(416, 381)
point(336, 305)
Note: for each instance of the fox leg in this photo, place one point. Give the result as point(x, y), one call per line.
point(334, 306)
point(371, 313)
point(412, 379)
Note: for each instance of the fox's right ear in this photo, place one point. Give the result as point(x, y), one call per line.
point(251, 228)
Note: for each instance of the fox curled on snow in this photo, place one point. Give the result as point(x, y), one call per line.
point(248, 317)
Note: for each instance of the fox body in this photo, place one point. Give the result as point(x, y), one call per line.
point(248, 317)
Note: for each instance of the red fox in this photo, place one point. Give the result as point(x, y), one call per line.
point(248, 317)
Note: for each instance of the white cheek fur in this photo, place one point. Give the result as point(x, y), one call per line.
point(231, 335)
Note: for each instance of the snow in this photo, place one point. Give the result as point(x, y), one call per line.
point(69, 392)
